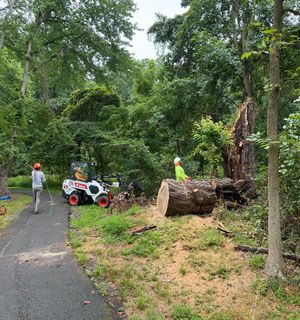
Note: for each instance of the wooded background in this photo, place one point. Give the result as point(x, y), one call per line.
point(70, 90)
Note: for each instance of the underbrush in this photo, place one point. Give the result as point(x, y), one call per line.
point(13, 207)
point(248, 224)
point(19, 182)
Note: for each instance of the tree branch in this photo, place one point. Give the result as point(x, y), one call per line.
point(43, 63)
point(2, 9)
point(295, 12)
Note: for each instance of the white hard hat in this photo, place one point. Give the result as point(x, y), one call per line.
point(176, 160)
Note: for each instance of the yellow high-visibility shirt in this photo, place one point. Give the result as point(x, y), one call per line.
point(180, 174)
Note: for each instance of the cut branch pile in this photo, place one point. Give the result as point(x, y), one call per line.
point(122, 202)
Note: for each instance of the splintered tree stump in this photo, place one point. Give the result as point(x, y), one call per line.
point(181, 198)
point(239, 157)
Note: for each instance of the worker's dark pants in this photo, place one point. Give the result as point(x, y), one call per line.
point(37, 198)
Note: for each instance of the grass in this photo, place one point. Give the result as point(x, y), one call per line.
point(13, 206)
point(81, 256)
point(74, 240)
point(277, 288)
point(25, 182)
point(185, 269)
point(112, 227)
point(257, 262)
point(208, 238)
point(182, 312)
point(248, 226)
point(222, 272)
point(145, 246)
point(115, 225)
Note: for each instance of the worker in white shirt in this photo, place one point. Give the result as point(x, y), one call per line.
point(38, 178)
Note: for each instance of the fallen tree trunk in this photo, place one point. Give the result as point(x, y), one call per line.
point(194, 196)
point(180, 198)
point(286, 255)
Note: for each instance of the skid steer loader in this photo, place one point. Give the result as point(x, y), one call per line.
point(82, 186)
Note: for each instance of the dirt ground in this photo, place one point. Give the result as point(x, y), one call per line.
point(215, 281)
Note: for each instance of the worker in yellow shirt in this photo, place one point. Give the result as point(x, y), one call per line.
point(179, 171)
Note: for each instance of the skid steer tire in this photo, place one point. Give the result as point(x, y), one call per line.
point(103, 201)
point(74, 199)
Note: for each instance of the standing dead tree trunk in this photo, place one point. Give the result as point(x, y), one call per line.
point(239, 158)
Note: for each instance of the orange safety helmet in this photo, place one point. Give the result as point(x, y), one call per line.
point(37, 166)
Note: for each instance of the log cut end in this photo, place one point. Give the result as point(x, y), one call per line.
point(163, 198)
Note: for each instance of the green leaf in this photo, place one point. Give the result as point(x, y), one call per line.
point(246, 55)
point(269, 31)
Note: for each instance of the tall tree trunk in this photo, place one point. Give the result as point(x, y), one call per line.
point(247, 78)
point(274, 261)
point(26, 67)
point(3, 180)
point(5, 167)
point(35, 26)
point(45, 84)
point(239, 158)
point(5, 20)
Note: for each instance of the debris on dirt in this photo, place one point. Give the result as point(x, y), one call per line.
point(142, 230)
point(286, 255)
point(87, 302)
point(226, 232)
point(122, 202)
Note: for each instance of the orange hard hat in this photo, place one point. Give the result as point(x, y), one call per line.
point(36, 166)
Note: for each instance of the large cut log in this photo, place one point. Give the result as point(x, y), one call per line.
point(180, 198)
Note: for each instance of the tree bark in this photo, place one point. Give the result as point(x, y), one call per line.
point(3, 180)
point(26, 67)
point(35, 26)
point(180, 198)
point(5, 20)
point(238, 159)
point(274, 260)
point(45, 84)
point(198, 197)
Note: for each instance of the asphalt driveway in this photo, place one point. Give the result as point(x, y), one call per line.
point(39, 278)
